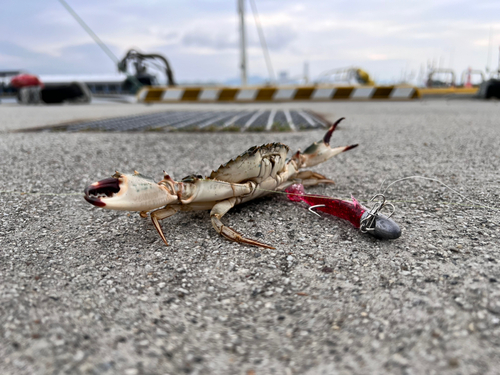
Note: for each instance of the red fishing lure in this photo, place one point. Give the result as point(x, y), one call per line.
point(368, 220)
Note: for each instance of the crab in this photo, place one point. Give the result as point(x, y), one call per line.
point(257, 172)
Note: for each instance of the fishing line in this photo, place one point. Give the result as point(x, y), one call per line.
point(475, 204)
point(25, 193)
point(442, 183)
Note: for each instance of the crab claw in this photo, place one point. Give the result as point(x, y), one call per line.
point(328, 135)
point(321, 151)
point(129, 192)
point(106, 188)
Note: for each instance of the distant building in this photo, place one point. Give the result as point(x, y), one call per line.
point(97, 84)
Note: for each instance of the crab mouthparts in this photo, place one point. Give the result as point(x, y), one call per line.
point(106, 188)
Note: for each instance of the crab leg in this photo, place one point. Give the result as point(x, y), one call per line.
point(306, 178)
point(161, 214)
point(216, 214)
point(311, 178)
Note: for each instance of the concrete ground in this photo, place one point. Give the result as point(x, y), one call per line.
point(89, 291)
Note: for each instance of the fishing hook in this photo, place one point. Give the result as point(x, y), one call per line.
point(368, 222)
point(311, 209)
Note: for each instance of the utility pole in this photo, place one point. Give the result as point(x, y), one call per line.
point(488, 62)
point(243, 46)
point(498, 70)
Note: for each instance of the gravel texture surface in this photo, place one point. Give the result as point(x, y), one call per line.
point(89, 291)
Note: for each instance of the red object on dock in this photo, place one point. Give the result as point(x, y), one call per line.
point(24, 80)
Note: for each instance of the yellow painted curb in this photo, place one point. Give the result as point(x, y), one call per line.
point(163, 94)
point(449, 91)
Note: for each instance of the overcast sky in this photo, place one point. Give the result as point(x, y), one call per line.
point(200, 37)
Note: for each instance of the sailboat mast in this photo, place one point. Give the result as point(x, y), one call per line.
point(243, 46)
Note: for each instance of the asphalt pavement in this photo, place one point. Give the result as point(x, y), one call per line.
point(89, 291)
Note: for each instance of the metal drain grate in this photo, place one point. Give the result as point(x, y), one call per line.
point(256, 120)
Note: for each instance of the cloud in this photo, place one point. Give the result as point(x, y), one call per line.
point(377, 57)
point(385, 36)
point(196, 38)
point(23, 58)
point(80, 59)
point(279, 37)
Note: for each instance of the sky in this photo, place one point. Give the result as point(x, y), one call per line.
point(389, 39)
